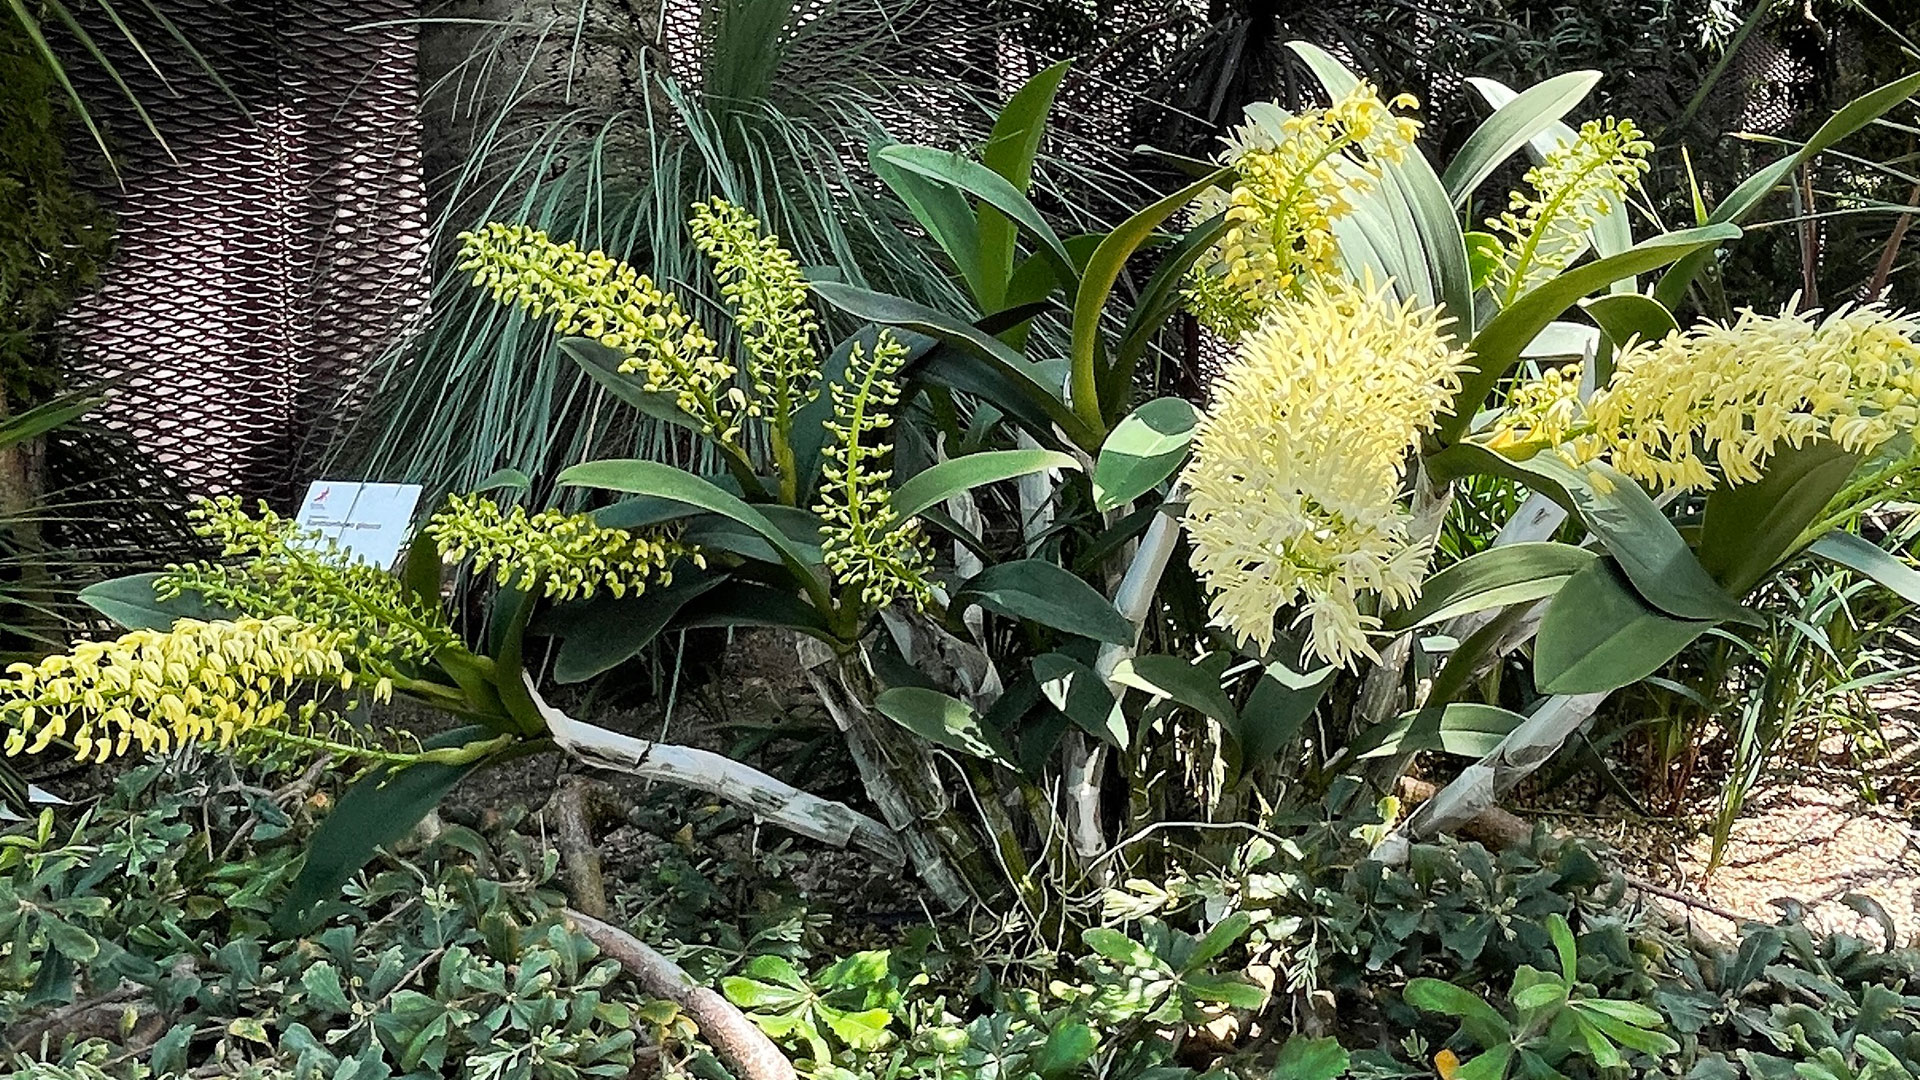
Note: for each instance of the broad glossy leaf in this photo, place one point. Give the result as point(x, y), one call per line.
point(984, 184)
point(509, 479)
point(1510, 127)
point(1096, 285)
point(1195, 684)
point(604, 632)
point(1612, 230)
point(1041, 591)
point(1010, 151)
point(1624, 317)
point(378, 809)
point(1414, 183)
point(937, 484)
point(1464, 729)
point(1641, 539)
point(745, 603)
point(1143, 449)
point(1510, 574)
point(1749, 528)
point(421, 570)
point(1277, 709)
point(947, 217)
point(1019, 375)
point(944, 721)
point(1872, 560)
point(130, 602)
point(1499, 344)
point(1159, 299)
point(1072, 687)
point(637, 477)
point(1599, 635)
point(603, 364)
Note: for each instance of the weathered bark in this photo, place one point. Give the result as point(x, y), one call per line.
point(742, 1047)
point(900, 777)
point(570, 812)
point(744, 786)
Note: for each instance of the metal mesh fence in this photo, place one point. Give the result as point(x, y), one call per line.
point(284, 243)
point(274, 249)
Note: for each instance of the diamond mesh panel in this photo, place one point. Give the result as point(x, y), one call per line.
point(277, 250)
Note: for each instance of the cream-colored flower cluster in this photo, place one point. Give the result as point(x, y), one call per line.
point(1714, 404)
point(199, 681)
point(870, 551)
point(1298, 466)
point(1543, 233)
point(591, 294)
point(764, 289)
point(567, 555)
point(1298, 174)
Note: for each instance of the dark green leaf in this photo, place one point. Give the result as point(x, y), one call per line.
point(1276, 709)
point(603, 364)
point(378, 809)
point(1194, 684)
point(130, 602)
point(1498, 345)
point(1509, 128)
point(1144, 449)
point(639, 477)
point(1641, 539)
point(1464, 729)
point(984, 184)
point(1073, 688)
point(1749, 528)
point(1096, 285)
point(1510, 574)
point(604, 632)
point(944, 721)
point(1042, 592)
point(1599, 635)
point(1020, 376)
point(1872, 560)
point(936, 485)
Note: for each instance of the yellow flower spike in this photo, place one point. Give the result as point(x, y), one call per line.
point(1297, 176)
point(1544, 232)
point(1712, 405)
point(1297, 467)
point(872, 553)
point(593, 295)
point(108, 713)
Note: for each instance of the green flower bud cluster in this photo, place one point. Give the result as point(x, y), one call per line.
point(276, 568)
point(1545, 232)
point(871, 552)
point(763, 287)
point(593, 295)
point(566, 556)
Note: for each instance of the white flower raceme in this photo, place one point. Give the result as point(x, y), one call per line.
point(1298, 466)
point(1715, 403)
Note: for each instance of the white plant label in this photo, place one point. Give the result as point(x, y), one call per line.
point(369, 520)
